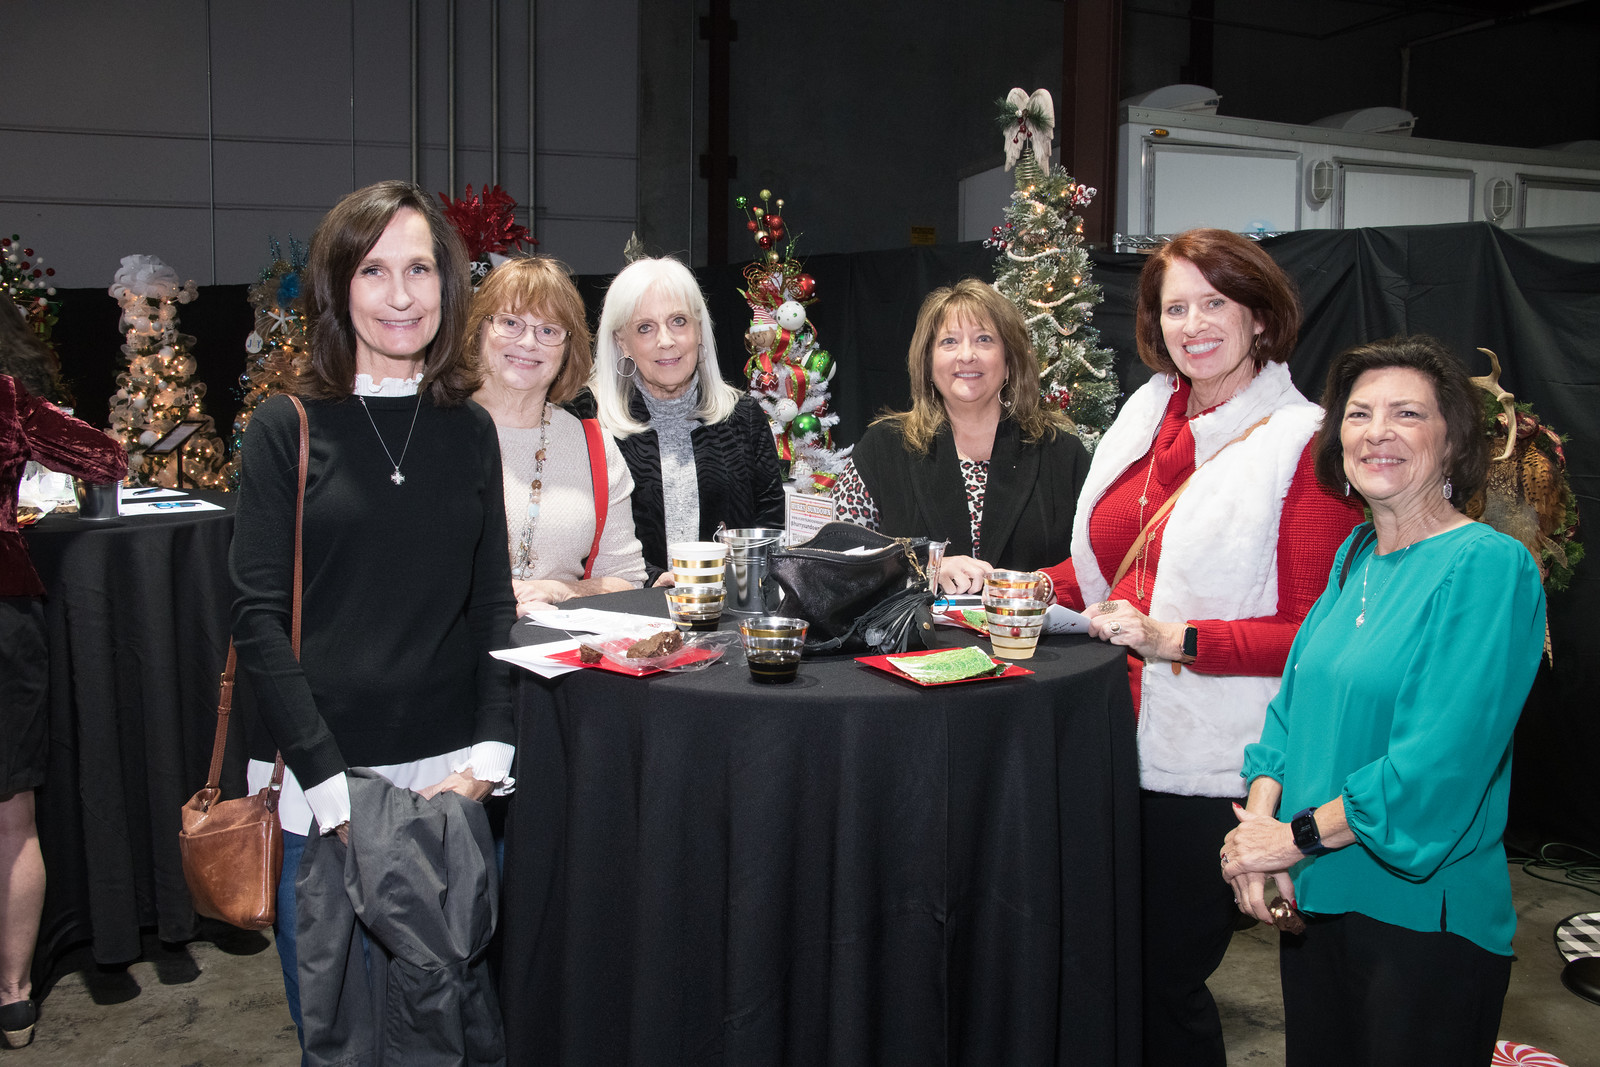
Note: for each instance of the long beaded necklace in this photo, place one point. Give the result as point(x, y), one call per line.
point(397, 478)
point(1362, 618)
point(1144, 498)
point(526, 555)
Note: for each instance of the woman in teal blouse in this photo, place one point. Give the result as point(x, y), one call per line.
point(1378, 790)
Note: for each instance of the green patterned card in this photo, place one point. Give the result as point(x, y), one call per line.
point(951, 666)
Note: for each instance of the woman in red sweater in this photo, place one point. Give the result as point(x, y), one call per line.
point(1201, 540)
point(30, 428)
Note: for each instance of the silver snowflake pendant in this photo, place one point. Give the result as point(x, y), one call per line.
point(397, 478)
point(1361, 618)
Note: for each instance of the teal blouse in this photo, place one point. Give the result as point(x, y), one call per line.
point(1409, 716)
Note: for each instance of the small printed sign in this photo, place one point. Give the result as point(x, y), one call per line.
point(924, 235)
point(807, 514)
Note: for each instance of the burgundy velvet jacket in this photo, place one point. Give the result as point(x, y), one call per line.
point(31, 428)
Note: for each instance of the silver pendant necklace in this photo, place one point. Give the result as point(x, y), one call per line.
point(1361, 618)
point(397, 478)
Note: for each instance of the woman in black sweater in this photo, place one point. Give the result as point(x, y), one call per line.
point(407, 582)
point(701, 452)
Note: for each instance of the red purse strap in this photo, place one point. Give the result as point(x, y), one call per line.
point(597, 475)
point(225, 690)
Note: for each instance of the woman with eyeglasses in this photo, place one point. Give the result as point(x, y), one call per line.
point(701, 451)
point(529, 338)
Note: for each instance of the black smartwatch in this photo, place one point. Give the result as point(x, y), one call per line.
point(1306, 836)
point(1191, 642)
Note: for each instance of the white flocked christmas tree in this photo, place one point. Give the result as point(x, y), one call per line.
point(157, 390)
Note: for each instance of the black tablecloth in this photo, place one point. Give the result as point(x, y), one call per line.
point(137, 615)
point(848, 869)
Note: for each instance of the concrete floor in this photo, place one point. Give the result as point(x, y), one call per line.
point(219, 1002)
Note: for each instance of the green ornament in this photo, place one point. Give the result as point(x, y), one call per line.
point(740, 201)
point(804, 425)
point(819, 362)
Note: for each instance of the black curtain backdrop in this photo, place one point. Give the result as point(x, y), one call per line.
point(1532, 296)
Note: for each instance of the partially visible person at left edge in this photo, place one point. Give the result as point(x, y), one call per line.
point(1378, 789)
point(30, 428)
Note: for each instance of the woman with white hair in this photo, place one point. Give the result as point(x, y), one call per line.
point(701, 452)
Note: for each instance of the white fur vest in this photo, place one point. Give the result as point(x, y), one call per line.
point(1219, 560)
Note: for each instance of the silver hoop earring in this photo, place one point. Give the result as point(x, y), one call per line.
point(1347, 487)
point(701, 354)
point(1449, 490)
point(632, 366)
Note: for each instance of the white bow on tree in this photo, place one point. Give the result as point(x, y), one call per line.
point(1029, 122)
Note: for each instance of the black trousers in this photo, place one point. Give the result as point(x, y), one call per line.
point(1188, 913)
point(1356, 990)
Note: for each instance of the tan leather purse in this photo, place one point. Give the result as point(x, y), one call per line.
point(232, 850)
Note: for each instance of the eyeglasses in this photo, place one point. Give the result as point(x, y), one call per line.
point(545, 334)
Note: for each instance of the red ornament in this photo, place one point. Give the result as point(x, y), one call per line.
point(770, 220)
point(751, 225)
point(49, 272)
point(27, 251)
point(764, 240)
point(806, 285)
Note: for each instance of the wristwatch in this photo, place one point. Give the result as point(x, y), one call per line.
point(1191, 642)
point(1306, 836)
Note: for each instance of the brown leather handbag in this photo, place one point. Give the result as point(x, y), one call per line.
point(232, 850)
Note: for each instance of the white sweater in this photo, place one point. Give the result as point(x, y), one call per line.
point(565, 527)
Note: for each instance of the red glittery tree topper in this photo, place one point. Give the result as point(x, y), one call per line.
point(486, 221)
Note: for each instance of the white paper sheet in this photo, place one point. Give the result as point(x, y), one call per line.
point(535, 658)
point(133, 508)
point(595, 621)
point(126, 496)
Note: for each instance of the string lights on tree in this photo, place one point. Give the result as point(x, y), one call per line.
point(157, 390)
point(1044, 270)
point(276, 347)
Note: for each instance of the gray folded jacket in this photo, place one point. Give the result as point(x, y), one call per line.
point(419, 880)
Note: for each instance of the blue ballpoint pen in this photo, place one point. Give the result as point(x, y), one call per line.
point(178, 504)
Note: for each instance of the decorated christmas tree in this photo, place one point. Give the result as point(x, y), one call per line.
point(275, 346)
point(1044, 270)
point(788, 369)
point(27, 281)
point(157, 390)
point(487, 222)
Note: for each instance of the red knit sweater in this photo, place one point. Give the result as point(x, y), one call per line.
point(1313, 525)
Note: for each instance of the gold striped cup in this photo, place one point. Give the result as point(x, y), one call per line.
point(698, 563)
point(1015, 626)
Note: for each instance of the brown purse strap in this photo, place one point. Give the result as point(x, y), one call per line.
point(1161, 512)
point(225, 691)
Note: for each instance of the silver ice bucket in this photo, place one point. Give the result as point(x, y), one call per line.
point(747, 569)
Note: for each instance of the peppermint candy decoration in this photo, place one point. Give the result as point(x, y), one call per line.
point(1512, 1054)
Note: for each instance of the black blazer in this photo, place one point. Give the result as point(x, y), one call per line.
point(1027, 508)
point(735, 464)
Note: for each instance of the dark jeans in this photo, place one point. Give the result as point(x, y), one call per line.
point(283, 930)
point(1356, 990)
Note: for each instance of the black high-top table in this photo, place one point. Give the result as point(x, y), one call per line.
point(846, 869)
